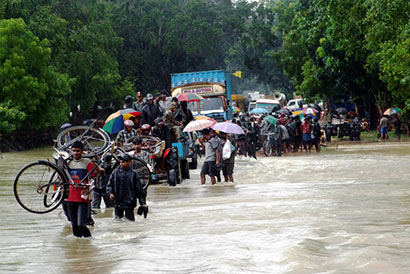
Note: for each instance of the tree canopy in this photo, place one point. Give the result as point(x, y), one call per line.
point(55, 55)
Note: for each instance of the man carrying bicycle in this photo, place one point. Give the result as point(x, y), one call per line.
point(78, 201)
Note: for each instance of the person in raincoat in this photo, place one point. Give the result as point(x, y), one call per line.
point(125, 188)
point(150, 111)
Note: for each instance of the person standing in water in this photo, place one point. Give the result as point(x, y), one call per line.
point(125, 188)
point(78, 201)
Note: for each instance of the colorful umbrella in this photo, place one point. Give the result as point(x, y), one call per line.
point(189, 97)
point(311, 111)
point(297, 111)
point(391, 111)
point(258, 111)
point(235, 97)
point(228, 127)
point(115, 122)
point(199, 125)
point(236, 109)
point(270, 119)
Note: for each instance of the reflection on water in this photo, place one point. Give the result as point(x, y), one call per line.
point(344, 211)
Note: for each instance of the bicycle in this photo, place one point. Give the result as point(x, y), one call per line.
point(94, 139)
point(40, 187)
point(267, 144)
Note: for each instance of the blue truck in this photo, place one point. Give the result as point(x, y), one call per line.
point(213, 85)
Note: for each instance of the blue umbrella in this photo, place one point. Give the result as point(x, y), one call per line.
point(258, 111)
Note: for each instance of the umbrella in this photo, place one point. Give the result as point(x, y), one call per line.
point(236, 109)
point(297, 111)
point(311, 111)
point(341, 110)
point(235, 97)
point(189, 97)
point(284, 110)
point(115, 122)
point(203, 117)
point(228, 127)
point(270, 119)
point(199, 125)
point(391, 111)
point(258, 111)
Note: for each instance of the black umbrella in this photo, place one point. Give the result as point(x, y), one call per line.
point(285, 111)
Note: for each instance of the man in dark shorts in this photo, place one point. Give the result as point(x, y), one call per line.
point(211, 143)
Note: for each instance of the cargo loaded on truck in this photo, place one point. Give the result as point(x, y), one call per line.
point(214, 86)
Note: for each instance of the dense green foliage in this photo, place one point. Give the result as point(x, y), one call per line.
point(55, 54)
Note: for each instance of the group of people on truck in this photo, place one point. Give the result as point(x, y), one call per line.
point(159, 118)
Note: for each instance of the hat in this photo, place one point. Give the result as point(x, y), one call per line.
point(128, 98)
point(128, 123)
point(149, 96)
point(139, 94)
point(124, 157)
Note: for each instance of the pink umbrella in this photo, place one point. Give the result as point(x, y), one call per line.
point(228, 127)
point(199, 125)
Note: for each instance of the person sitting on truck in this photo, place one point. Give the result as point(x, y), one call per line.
point(184, 114)
point(139, 104)
point(150, 111)
point(161, 131)
point(171, 122)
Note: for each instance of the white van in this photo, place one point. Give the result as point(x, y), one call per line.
point(269, 104)
point(295, 104)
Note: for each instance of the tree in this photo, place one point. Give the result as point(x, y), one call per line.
point(31, 87)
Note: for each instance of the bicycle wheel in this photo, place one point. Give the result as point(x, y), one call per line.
point(267, 148)
point(40, 187)
point(143, 171)
point(95, 140)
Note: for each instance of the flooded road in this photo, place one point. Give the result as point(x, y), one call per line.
point(346, 210)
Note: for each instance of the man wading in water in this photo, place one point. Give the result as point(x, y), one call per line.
point(124, 188)
point(78, 200)
point(211, 143)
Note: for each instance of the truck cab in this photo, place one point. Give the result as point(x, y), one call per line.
point(214, 86)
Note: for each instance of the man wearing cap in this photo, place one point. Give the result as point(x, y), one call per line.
point(139, 104)
point(126, 133)
point(125, 188)
point(150, 111)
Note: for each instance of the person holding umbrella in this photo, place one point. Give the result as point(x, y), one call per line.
point(210, 142)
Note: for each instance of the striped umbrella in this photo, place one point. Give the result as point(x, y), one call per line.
point(391, 111)
point(189, 97)
point(115, 122)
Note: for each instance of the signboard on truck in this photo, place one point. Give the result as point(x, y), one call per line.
point(214, 86)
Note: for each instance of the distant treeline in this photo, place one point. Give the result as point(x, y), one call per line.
point(57, 54)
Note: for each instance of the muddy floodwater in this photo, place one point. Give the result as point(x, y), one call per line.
point(346, 210)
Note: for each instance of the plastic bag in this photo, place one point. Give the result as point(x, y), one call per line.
point(226, 150)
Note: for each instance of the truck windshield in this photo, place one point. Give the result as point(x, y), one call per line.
point(212, 103)
point(269, 107)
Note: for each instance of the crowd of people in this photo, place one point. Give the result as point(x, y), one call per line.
point(121, 188)
point(285, 133)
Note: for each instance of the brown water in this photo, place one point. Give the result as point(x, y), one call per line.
point(344, 211)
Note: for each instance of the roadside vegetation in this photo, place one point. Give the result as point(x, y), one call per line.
point(55, 55)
